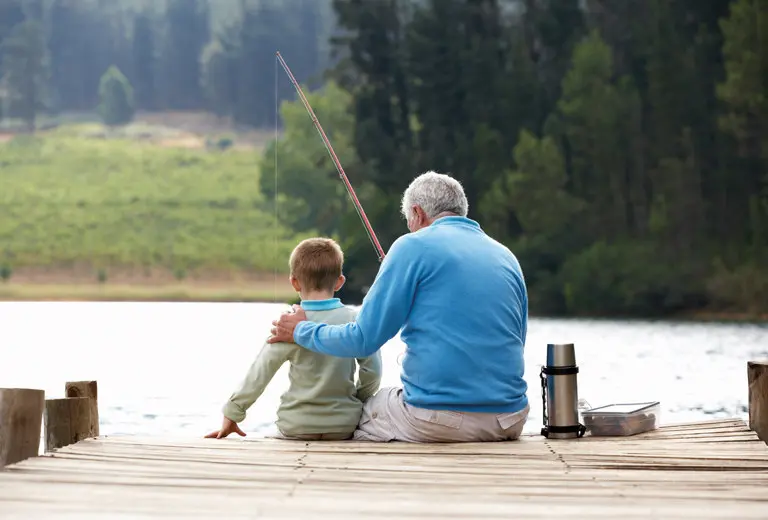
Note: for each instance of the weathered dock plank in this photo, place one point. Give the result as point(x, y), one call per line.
point(715, 469)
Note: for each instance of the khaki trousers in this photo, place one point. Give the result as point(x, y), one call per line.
point(386, 417)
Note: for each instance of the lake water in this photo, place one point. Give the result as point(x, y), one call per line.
point(166, 368)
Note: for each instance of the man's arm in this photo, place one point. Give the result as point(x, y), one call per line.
point(369, 377)
point(262, 370)
point(383, 313)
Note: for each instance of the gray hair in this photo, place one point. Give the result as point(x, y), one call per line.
point(435, 193)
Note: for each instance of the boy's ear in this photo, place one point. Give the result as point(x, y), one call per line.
point(295, 283)
point(339, 283)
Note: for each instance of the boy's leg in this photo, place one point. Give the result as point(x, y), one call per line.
point(321, 437)
point(305, 437)
point(310, 436)
point(273, 432)
point(335, 436)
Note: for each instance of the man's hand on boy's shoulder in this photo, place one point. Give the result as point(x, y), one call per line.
point(282, 330)
point(227, 426)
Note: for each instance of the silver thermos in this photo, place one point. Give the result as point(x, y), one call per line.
point(559, 393)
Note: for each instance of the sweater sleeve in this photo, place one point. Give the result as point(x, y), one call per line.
point(262, 370)
point(383, 313)
point(369, 377)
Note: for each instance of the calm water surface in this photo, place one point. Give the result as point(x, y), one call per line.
point(167, 368)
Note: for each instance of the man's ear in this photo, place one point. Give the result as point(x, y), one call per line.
point(339, 283)
point(420, 218)
point(295, 283)
point(423, 218)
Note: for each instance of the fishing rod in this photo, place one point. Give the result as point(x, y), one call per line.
point(347, 184)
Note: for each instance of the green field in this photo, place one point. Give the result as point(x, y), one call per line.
point(75, 200)
point(178, 292)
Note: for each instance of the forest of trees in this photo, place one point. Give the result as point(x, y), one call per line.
point(618, 147)
point(215, 55)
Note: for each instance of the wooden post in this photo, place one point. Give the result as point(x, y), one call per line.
point(87, 389)
point(21, 417)
point(66, 421)
point(757, 377)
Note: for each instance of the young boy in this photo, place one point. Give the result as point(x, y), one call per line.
point(322, 402)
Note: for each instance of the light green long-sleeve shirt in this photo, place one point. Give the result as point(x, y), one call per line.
point(323, 396)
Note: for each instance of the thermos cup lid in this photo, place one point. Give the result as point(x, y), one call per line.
point(561, 355)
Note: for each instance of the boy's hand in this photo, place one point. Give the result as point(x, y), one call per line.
point(227, 426)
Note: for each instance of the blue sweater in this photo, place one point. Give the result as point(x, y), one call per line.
point(460, 299)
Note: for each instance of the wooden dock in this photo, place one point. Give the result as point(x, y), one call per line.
point(715, 469)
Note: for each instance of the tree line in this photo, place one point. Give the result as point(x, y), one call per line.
point(214, 55)
point(619, 148)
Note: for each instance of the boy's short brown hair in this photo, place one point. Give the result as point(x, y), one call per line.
point(317, 263)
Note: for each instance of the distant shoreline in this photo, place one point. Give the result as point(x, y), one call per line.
point(692, 316)
point(725, 317)
point(261, 292)
point(682, 317)
point(172, 292)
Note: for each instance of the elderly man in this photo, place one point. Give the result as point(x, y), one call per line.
point(459, 300)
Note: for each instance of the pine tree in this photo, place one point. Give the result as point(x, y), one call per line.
point(594, 112)
point(11, 14)
point(743, 91)
point(116, 106)
point(217, 78)
point(83, 43)
point(674, 168)
point(458, 59)
point(552, 29)
point(264, 29)
point(372, 53)
point(745, 118)
point(25, 72)
point(144, 61)
point(187, 32)
point(67, 48)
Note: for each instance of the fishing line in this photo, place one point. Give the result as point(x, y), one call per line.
point(277, 116)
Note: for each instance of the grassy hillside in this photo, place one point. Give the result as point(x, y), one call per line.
point(78, 200)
